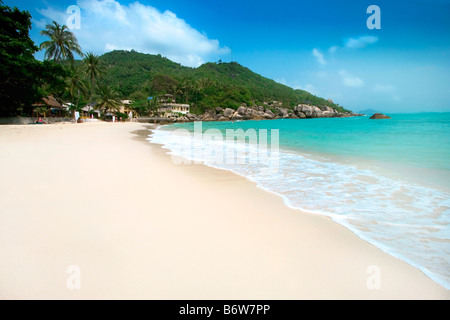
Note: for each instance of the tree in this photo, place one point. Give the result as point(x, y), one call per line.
point(61, 44)
point(163, 83)
point(21, 76)
point(93, 69)
point(76, 86)
point(108, 99)
point(53, 78)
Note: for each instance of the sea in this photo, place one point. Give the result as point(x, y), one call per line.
point(388, 181)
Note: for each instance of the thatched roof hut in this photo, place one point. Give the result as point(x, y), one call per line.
point(49, 105)
point(48, 101)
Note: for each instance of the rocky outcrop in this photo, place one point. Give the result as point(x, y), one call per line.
point(228, 113)
point(219, 110)
point(282, 112)
point(209, 115)
point(300, 114)
point(305, 109)
point(192, 117)
point(328, 112)
point(258, 115)
point(236, 116)
point(222, 118)
point(377, 116)
point(244, 112)
point(268, 114)
point(301, 111)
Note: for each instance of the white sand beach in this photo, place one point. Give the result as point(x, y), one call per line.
point(99, 197)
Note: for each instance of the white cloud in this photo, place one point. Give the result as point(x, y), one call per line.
point(108, 25)
point(50, 15)
point(319, 56)
point(105, 9)
point(350, 80)
point(360, 42)
point(353, 43)
point(383, 88)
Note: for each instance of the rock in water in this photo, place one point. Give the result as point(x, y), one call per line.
point(379, 116)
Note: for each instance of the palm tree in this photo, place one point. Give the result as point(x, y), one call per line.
point(93, 69)
point(108, 99)
point(76, 85)
point(61, 44)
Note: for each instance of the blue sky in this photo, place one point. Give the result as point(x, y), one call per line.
point(321, 46)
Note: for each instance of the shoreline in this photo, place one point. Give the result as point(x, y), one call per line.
point(362, 227)
point(223, 238)
point(378, 245)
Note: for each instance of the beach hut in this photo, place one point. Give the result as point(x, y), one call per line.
point(49, 106)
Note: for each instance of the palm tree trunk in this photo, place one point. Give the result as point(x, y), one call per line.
point(92, 89)
point(78, 101)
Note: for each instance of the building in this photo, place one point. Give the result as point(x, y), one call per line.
point(89, 111)
point(166, 98)
point(167, 108)
point(125, 107)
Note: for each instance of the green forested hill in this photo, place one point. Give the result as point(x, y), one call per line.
point(138, 76)
point(132, 71)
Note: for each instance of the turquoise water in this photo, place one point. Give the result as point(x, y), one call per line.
point(388, 181)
